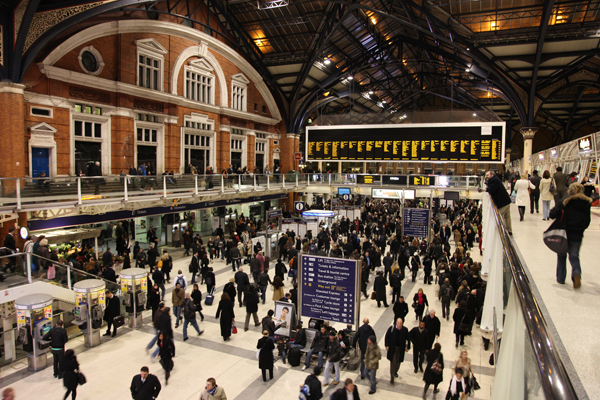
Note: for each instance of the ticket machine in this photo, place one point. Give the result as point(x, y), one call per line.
point(90, 302)
point(34, 320)
point(134, 287)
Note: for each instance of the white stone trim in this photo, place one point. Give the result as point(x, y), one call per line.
point(9, 87)
point(105, 146)
point(200, 51)
point(99, 59)
point(78, 78)
point(42, 135)
point(31, 114)
point(160, 143)
point(167, 28)
point(151, 45)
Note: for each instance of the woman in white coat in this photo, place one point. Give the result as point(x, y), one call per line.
point(521, 188)
point(546, 195)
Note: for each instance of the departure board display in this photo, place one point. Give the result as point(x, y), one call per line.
point(463, 142)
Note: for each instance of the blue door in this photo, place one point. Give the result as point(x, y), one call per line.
point(40, 161)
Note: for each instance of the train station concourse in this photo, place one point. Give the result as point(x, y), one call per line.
point(316, 199)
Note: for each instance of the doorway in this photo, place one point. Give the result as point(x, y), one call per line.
point(40, 161)
point(260, 162)
point(236, 160)
point(86, 153)
point(147, 155)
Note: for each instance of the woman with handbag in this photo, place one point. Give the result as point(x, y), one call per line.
point(456, 391)
point(265, 348)
point(463, 363)
point(434, 372)
point(419, 303)
point(70, 370)
point(459, 317)
point(166, 352)
point(522, 188)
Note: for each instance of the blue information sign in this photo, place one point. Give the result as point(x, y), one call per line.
point(416, 222)
point(298, 206)
point(329, 289)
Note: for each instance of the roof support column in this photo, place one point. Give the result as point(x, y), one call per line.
point(528, 134)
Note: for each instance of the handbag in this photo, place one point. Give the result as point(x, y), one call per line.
point(373, 296)
point(354, 361)
point(51, 274)
point(81, 379)
point(474, 383)
point(436, 367)
point(555, 237)
point(552, 186)
point(234, 329)
point(464, 327)
point(414, 304)
point(160, 264)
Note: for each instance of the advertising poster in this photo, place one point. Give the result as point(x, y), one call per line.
point(215, 223)
point(141, 228)
point(123, 285)
point(21, 318)
point(329, 289)
point(262, 240)
point(284, 317)
point(48, 312)
point(78, 298)
point(144, 284)
point(416, 222)
point(102, 298)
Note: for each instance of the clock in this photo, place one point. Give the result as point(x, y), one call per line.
point(24, 232)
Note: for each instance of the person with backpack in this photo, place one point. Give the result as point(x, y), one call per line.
point(311, 390)
point(415, 265)
point(446, 295)
point(189, 315)
point(210, 280)
point(181, 279)
point(167, 266)
point(372, 357)
point(395, 283)
point(178, 296)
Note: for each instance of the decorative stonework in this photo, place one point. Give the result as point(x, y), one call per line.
point(89, 94)
point(238, 122)
point(583, 75)
point(520, 92)
point(18, 17)
point(261, 127)
point(528, 133)
point(43, 21)
point(548, 90)
point(148, 105)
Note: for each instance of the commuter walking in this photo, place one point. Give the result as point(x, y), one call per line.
point(500, 197)
point(362, 336)
point(227, 316)
point(189, 315)
point(379, 286)
point(334, 355)
point(212, 391)
point(560, 184)
point(159, 280)
point(145, 386)
point(314, 384)
point(419, 336)
point(534, 194)
point(58, 337)
point(177, 298)
point(397, 343)
point(522, 187)
point(69, 369)
point(434, 371)
point(576, 219)
point(251, 299)
point(166, 353)
point(457, 389)
point(545, 195)
point(197, 298)
point(242, 281)
point(419, 304)
point(349, 391)
point(459, 317)
point(372, 357)
point(265, 346)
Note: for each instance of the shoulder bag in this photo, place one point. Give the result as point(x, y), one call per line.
point(81, 380)
point(555, 236)
point(436, 367)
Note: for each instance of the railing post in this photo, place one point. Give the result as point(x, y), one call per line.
point(18, 194)
point(380, 180)
point(268, 182)
point(283, 180)
point(69, 285)
point(467, 183)
point(28, 261)
point(222, 184)
point(239, 182)
point(196, 184)
point(329, 179)
point(254, 181)
point(125, 191)
point(164, 186)
point(296, 180)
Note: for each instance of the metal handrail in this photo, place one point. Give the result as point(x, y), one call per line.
point(553, 376)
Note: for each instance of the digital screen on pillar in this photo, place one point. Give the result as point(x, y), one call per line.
point(462, 142)
point(329, 289)
point(342, 191)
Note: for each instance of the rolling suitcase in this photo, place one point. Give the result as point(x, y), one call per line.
point(210, 297)
point(354, 361)
point(294, 354)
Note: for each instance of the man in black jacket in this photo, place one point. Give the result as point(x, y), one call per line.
point(400, 309)
point(145, 386)
point(242, 281)
point(113, 309)
point(500, 197)
point(314, 384)
point(362, 335)
point(319, 345)
point(397, 342)
point(58, 337)
point(334, 355)
point(419, 336)
point(194, 266)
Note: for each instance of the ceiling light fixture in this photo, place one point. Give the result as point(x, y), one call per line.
point(370, 92)
point(474, 114)
point(468, 48)
point(383, 101)
point(327, 61)
point(350, 77)
point(468, 69)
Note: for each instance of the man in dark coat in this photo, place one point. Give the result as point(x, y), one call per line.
point(560, 182)
point(388, 261)
point(242, 281)
point(152, 255)
point(145, 386)
point(362, 335)
point(343, 393)
point(314, 384)
point(113, 309)
point(380, 289)
point(107, 258)
point(194, 265)
point(419, 336)
point(396, 344)
point(58, 336)
point(500, 197)
point(400, 309)
point(433, 326)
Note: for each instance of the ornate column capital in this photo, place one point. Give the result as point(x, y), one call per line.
point(508, 151)
point(528, 133)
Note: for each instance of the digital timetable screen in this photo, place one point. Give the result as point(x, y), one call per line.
point(464, 142)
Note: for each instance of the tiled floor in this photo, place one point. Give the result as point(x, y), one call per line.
point(110, 367)
point(573, 313)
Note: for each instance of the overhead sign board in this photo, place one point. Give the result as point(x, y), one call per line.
point(297, 156)
point(585, 144)
point(416, 222)
point(408, 194)
point(329, 289)
point(274, 214)
point(463, 142)
point(298, 206)
point(422, 180)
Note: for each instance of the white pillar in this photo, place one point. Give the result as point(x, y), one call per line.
point(528, 134)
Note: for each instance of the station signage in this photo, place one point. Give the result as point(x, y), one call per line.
point(585, 144)
point(329, 289)
point(416, 222)
point(462, 142)
point(393, 194)
point(422, 180)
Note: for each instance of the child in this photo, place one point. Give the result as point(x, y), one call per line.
point(282, 347)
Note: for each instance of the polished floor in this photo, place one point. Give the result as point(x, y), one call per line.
point(110, 366)
point(571, 313)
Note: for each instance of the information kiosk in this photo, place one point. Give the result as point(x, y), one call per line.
point(134, 286)
point(34, 320)
point(89, 308)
